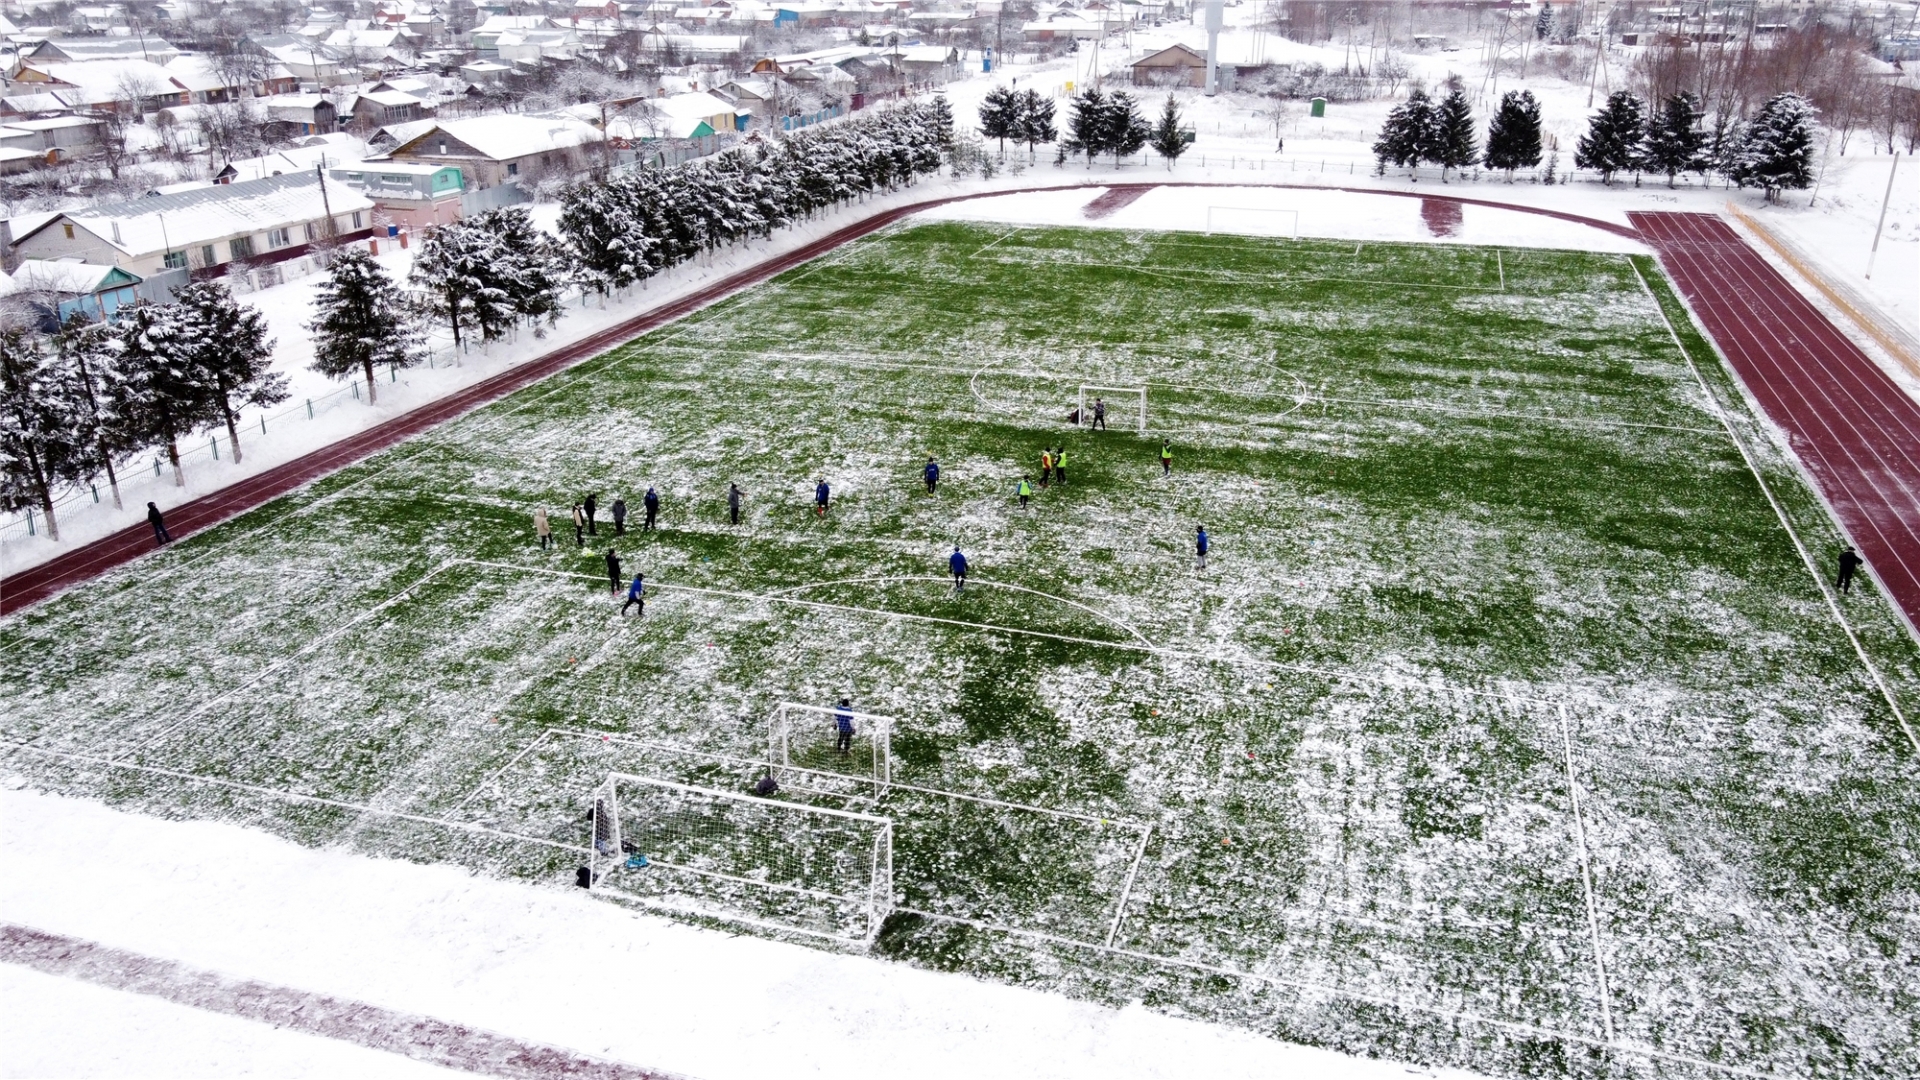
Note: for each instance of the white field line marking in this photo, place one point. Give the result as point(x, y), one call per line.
point(320, 800)
point(1137, 635)
point(1491, 414)
point(499, 772)
point(1501, 265)
point(1126, 889)
point(1299, 397)
point(1356, 251)
point(996, 240)
point(197, 710)
point(1234, 277)
point(1586, 877)
point(722, 916)
point(1806, 557)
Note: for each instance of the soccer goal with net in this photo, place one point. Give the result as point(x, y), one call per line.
point(1127, 394)
point(725, 854)
point(807, 739)
point(1254, 220)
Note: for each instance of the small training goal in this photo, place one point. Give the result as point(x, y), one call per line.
point(1254, 221)
point(806, 748)
point(1130, 395)
point(767, 862)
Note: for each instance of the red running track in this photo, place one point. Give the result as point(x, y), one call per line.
point(34, 584)
point(1857, 432)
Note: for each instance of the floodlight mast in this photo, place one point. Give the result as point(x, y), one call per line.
point(1216, 18)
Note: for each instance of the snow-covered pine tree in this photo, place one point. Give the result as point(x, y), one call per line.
point(163, 381)
point(362, 319)
point(1168, 140)
point(1543, 23)
point(532, 272)
point(88, 354)
point(1454, 144)
point(1036, 119)
point(41, 446)
point(1776, 151)
point(1406, 132)
point(1128, 130)
point(1087, 124)
point(1675, 141)
point(604, 235)
point(1513, 135)
point(936, 119)
point(231, 354)
point(1000, 115)
point(1612, 141)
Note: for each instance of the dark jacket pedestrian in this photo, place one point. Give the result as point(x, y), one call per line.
point(590, 504)
point(957, 563)
point(619, 517)
point(733, 503)
point(932, 475)
point(1200, 545)
point(1849, 562)
point(843, 726)
point(652, 503)
point(821, 494)
point(636, 594)
point(159, 525)
point(613, 570)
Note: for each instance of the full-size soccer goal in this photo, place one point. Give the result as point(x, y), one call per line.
point(731, 855)
point(1092, 395)
point(807, 742)
point(1254, 221)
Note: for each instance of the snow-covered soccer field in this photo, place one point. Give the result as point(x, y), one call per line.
point(1508, 728)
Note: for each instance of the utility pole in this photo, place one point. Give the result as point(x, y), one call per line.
point(1891, 173)
point(1216, 18)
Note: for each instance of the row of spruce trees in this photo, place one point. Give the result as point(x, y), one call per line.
point(1097, 123)
point(1773, 151)
point(77, 404)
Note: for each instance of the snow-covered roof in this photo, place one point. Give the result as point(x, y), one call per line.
point(32, 103)
point(15, 153)
point(392, 98)
point(54, 123)
point(508, 136)
point(499, 23)
point(298, 159)
point(366, 40)
point(101, 80)
point(67, 276)
point(694, 105)
point(926, 54)
point(172, 222)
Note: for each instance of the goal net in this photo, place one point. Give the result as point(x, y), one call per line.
point(1254, 221)
point(730, 855)
point(1122, 404)
point(807, 745)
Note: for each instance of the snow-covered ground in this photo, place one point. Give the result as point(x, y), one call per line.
point(545, 966)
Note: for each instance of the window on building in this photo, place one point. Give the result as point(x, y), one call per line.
point(278, 238)
point(356, 219)
point(176, 260)
point(206, 256)
point(69, 231)
point(241, 246)
point(312, 233)
point(513, 168)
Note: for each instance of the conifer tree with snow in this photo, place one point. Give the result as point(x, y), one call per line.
point(487, 272)
point(231, 354)
point(1407, 132)
point(1089, 124)
point(1675, 141)
point(1775, 153)
point(1168, 140)
point(1513, 135)
point(938, 122)
point(1036, 119)
point(362, 320)
point(1127, 130)
point(156, 359)
point(1613, 138)
point(1000, 115)
point(41, 446)
point(1543, 23)
point(606, 237)
point(1454, 144)
point(88, 354)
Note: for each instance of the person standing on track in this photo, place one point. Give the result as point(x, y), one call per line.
point(1025, 491)
point(1060, 466)
point(1200, 545)
point(1849, 562)
point(821, 493)
point(1099, 415)
point(591, 504)
point(1166, 457)
point(957, 563)
point(843, 727)
point(579, 526)
point(619, 516)
point(931, 474)
point(542, 528)
point(733, 503)
point(160, 535)
point(652, 505)
point(636, 594)
point(1046, 465)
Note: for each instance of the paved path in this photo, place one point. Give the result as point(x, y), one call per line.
point(34, 584)
point(1857, 432)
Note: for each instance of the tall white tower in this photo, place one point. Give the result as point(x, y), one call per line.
point(1216, 17)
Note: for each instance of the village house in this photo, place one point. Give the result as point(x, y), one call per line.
point(379, 108)
point(416, 195)
point(101, 85)
point(494, 150)
point(53, 290)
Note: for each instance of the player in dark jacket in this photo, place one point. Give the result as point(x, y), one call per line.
point(1200, 545)
point(1849, 562)
point(958, 564)
point(613, 571)
point(160, 535)
point(733, 502)
point(843, 726)
point(932, 475)
point(619, 517)
point(589, 505)
point(636, 594)
point(652, 504)
point(821, 493)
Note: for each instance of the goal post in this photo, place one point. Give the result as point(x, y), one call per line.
point(807, 737)
point(1088, 393)
point(1254, 220)
point(731, 855)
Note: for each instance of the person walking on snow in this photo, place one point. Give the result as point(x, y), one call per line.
point(579, 527)
point(733, 502)
point(1060, 466)
point(613, 572)
point(160, 535)
point(1200, 545)
point(821, 493)
point(932, 474)
point(652, 504)
point(1099, 415)
point(958, 564)
point(1025, 491)
point(1849, 562)
point(591, 504)
point(1166, 458)
point(619, 517)
point(843, 726)
point(542, 529)
point(636, 594)
point(1046, 466)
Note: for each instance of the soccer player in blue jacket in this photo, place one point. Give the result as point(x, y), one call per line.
point(958, 564)
point(932, 473)
point(636, 594)
point(1200, 545)
point(843, 725)
point(820, 495)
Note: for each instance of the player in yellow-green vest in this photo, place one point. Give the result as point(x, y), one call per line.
point(1166, 458)
point(1025, 491)
point(1060, 466)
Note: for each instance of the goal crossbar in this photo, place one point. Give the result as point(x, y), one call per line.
point(1086, 416)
